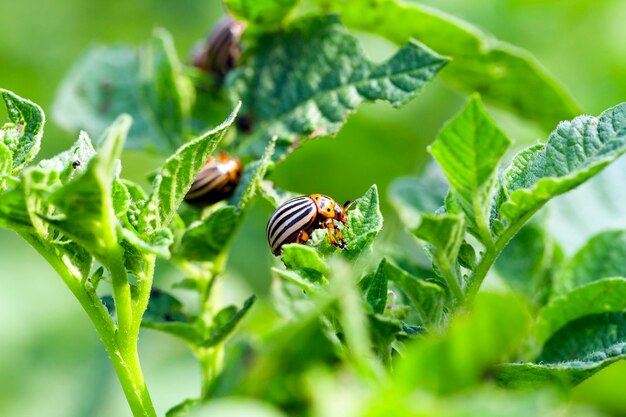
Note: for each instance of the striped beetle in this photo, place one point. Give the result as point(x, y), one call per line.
point(220, 52)
point(216, 181)
point(296, 219)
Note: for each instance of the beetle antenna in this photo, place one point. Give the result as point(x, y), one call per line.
point(348, 204)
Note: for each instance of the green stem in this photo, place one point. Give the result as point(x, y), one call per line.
point(211, 362)
point(125, 362)
point(490, 256)
point(122, 296)
point(452, 280)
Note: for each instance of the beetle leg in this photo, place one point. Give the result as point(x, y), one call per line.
point(330, 226)
point(342, 242)
point(303, 237)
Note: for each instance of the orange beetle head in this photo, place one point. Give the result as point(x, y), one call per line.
point(328, 208)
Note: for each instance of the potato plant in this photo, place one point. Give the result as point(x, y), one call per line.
point(364, 331)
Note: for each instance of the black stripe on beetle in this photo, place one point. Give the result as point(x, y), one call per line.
point(294, 220)
point(215, 182)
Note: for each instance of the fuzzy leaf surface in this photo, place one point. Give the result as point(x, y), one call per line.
point(89, 196)
point(469, 149)
point(604, 256)
point(176, 176)
point(576, 151)
point(146, 82)
point(502, 74)
point(303, 82)
point(21, 137)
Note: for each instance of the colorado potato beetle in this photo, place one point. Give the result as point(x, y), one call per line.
point(294, 221)
point(220, 52)
point(216, 181)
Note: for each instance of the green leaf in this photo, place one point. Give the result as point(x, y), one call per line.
point(305, 261)
point(273, 195)
point(252, 178)
point(595, 206)
point(22, 137)
point(575, 151)
point(364, 222)
point(591, 338)
point(75, 257)
point(300, 280)
point(532, 375)
point(176, 176)
point(426, 297)
point(6, 164)
point(602, 296)
point(304, 81)
point(14, 213)
point(206, 239)
point(504, 75)
point(261, 12)
point(471, 346)
point(469, 149)
point(375, 288)
point(444, 234)
point(225, 323)
point(147, 82)
point(575, 352)
point(88, 196)
point(529, 262)
point(604, 256)
point(167, 314)
point(164, 307)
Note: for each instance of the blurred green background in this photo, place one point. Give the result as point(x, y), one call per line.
point(51, 362)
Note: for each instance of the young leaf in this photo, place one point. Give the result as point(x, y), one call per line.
point(575, 152)
point(176, 176)
point(375, 288)
point(604, 256)
point(469, 149)
point(148, 83)
point(426, 297)
point(204, 240)
point(304, 81)
point(88, 196)
point(444, 234)
point(261, 12)
point(305, 261)
point(364, 223)
point(225, 323)
point(22, 137)
point(504, 75)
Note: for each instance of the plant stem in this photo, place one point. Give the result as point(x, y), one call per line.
point(490, 256)
point(452, 280)
point(125, 361)
point(211, 362)
point(121, 293)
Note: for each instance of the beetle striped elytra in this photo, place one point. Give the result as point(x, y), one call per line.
point(216, 180)
point(294, 221)
point(220, 52)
